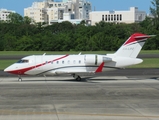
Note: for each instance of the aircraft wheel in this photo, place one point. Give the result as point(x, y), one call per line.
point(20, 80)
point(78, 78)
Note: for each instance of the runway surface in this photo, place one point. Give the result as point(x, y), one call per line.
point(62, 98)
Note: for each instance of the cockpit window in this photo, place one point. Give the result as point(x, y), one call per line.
point(23, 61)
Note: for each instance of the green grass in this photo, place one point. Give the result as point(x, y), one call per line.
point(149, 52)
point(50, 52)
point(67, 52)
point(6, 63)
point(147, 63)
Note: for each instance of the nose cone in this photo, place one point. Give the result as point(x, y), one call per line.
point(11, 69)
point(6, 70)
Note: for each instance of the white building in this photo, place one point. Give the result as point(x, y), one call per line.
point(49, 11)
point(45, 11)
point(4, 14)
point(131, 16)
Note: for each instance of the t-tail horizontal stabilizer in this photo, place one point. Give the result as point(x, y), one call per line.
point(133, 45)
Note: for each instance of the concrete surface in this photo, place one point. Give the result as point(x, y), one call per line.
point(62, 98)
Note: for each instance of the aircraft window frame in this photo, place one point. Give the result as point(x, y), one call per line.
point(74, 61)
point(68, 61)
point(23, 61)
point(63, 62)
point(57, 62)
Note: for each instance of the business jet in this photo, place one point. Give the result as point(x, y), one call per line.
point(78, 64)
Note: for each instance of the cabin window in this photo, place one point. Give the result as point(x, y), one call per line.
point(74, 61)
point(68, 61)
point(79, 61)
point(52, 62)
point(62, 62)
point(57, 62)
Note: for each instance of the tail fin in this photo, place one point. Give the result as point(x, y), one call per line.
point(132, 46)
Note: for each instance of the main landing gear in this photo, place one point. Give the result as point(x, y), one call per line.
point(77, 77)
point(19, 79)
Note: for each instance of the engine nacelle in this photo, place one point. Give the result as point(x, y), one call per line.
point(91, 59)
point(96, 59)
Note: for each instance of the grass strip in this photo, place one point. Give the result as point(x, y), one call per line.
point(6, 63)
point(67, 52)
point(147, 63)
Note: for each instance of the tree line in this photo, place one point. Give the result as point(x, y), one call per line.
point(19, 34)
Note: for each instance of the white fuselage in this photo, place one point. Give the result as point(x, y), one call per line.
point(69, 64)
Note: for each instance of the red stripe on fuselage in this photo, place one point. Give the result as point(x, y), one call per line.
point(22, 71)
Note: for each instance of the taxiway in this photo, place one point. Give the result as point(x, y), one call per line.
point(62, 98)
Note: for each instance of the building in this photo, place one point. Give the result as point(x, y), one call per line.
point(131, 16)
point(4, 14)
point(49, 11)
point(45, 11)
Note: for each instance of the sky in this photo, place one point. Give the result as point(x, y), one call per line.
point(99, 5)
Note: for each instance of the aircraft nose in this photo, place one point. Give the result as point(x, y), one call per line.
point(10, 70)
point(6, 70)
point(13, 70)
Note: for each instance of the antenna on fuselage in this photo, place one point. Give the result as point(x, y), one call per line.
point(80, 53)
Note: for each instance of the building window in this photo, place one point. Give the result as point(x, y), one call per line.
point(120, 17)
point(106, 17)
point(102, 17)
point(117, 17)
point(111, 17)
point(114, 17)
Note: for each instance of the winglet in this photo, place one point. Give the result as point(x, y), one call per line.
point(100, 68)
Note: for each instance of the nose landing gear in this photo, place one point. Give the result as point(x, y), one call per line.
point(19, 79)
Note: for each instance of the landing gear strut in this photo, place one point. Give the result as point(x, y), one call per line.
point(77, 77)
point(19, 79)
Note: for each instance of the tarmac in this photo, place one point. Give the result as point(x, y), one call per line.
point(93, 98)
